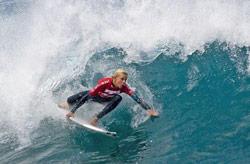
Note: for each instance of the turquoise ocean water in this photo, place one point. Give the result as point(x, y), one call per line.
point(188, 59)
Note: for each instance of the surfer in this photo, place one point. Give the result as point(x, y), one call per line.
point(107, 90)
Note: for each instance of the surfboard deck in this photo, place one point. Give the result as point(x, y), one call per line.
point(88, 126)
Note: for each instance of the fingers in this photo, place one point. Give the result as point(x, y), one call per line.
point(152, 112)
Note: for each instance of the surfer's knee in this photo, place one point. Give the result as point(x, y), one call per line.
point(117, 98)
point(70, 101)
point(110, 106)
point(81, 96)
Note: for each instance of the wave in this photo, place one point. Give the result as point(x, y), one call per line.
point(49, 50)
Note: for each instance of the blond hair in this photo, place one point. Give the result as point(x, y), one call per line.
point(120, 72)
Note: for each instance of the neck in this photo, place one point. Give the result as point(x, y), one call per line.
point(113, 83)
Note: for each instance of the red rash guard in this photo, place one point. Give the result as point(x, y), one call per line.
point(106, 89)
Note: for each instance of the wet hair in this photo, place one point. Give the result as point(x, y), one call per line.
point(120, 72)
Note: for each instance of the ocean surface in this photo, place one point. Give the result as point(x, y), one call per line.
point(189, 59)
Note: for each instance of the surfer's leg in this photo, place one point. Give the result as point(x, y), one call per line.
point(78, 100)
point(73, 100)
point(114, 101)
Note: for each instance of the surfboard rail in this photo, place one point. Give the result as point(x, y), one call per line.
point(92, 128)
point(88, 126)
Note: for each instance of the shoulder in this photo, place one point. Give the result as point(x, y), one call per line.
point(127, 89)
point(105, 80)
point(125, 85)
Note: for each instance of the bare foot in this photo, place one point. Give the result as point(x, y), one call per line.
point(94, 121)
point(63, 105)
point(70, 114)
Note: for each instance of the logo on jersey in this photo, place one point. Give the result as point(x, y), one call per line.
point(111, 92)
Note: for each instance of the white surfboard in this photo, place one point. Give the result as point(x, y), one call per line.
point(88, 126)
point(93, 128)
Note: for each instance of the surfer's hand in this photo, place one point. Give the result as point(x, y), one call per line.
point(70, 114)
point(152, 112)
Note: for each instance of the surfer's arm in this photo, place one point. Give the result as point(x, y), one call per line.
point(131, 92)
point(150, 111)
point(140, 101)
